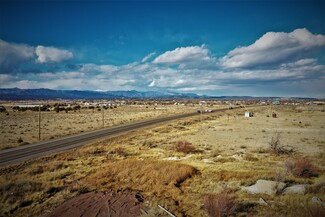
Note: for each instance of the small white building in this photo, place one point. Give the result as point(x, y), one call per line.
point(248, 114)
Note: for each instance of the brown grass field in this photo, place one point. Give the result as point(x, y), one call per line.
point(191, 168)
point(21, 128)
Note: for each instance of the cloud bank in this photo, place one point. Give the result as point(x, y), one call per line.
point(278, 64)
point(13, 56)
point(51, 54)
point(274, 48)
point(187, 57)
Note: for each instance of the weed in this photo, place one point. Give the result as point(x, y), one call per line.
point(277, 148)
point(83, 190)
point(301, 167)
point(57, 166)
point(250, 157)
point(185, 147)
point(220, 205)
point(315, 211)
point(37, 170)
point(53, 190)
point(120, 151)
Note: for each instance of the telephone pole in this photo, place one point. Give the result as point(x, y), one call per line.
point(39, 122)
point(103, 116)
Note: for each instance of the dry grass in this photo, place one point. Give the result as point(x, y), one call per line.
point(15, 195)
point(148, 176)
point(220, 205)
point(21, 128)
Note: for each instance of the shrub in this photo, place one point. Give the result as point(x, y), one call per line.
point(301, 167)
point(37, 170)
point(315, 211)
point(220, 205)
point(83, 190)
point(277, 148)
point(185, 147)
point(121, 152)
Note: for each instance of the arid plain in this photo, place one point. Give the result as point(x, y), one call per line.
point(184, 165)
point(21, 128)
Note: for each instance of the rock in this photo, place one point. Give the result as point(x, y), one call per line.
point(237, 157)
point(265, 187)
point(172, 158)
point(295, 189)
point(261, 201)
point(208, 161)
point(187, 157)
point(317, 201)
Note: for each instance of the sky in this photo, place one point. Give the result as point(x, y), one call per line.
point(216, 48)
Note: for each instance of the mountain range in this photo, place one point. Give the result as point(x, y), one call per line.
point(45, 94)
point(49, 94)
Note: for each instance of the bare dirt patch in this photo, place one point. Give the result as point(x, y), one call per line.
point(121, 204)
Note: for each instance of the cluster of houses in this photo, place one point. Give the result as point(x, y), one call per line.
point(207, 103)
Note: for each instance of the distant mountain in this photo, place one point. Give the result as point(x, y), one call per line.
point(44, 94)
point(49, 94)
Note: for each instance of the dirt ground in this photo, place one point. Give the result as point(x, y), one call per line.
point(106, 204)
point(226, 152)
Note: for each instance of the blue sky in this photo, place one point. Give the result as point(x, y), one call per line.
point(258, 48)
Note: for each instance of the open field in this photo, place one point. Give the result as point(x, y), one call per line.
point(21, 128)
point(187, 166)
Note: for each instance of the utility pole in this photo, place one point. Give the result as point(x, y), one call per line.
point(201, 114)
point(103, 114)
point(39, 122)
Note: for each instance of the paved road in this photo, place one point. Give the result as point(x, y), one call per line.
point(27, 152)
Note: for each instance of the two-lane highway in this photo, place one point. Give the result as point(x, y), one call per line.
point(27, 152)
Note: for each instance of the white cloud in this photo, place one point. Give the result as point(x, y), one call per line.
point(152, 84)
point(51, 54)
point(146, 58)
point(12, 55)
point(299, 63)
point(187, 57)
point(274, 48)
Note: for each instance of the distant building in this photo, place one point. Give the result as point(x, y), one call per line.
point(276, 103)
point(28, 105)
point(248, 114)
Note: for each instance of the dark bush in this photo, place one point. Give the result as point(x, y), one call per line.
point(301, 167)
point(185, 147)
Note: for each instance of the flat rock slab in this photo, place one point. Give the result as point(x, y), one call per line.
point(265, 187)
point(100, 204)
point(295, 189)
